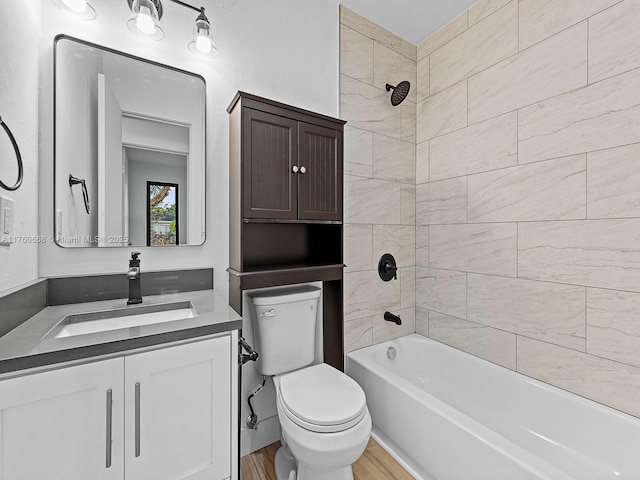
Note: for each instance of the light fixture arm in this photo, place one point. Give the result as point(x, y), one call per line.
point(197, 9)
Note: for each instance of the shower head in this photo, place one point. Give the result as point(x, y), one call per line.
point(400, 92)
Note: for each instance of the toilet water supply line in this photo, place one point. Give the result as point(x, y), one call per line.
point(252, 420)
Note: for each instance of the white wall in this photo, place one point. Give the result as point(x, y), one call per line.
point(19, 43)
point(285, 50)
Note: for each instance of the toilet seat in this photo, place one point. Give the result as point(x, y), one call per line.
point(321, 399)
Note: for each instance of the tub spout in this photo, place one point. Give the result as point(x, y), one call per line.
point(390, 317)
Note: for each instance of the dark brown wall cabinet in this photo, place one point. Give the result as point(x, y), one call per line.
point(286, 205)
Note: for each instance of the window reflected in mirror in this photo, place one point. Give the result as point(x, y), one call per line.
point(163, 225)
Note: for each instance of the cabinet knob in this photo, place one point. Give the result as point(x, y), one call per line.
point(295, 169)
point(303, 169)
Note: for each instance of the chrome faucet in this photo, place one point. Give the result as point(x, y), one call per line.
point(134, 279)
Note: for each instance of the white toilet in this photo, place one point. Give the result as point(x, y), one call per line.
point(323, 413)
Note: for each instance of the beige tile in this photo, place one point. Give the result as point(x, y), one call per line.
point(370, 29)
point(366, 295)
point(613, 330)
point(409, 50)
point(485, 342)
point(447, 33)
point(551, 190)
point(422, 246)
point(442, 291)
point(408, 123)
point(482, 9)
point(358, 152)
point(422, 80)
point(602, 380)
point(444, 201)
point(481, 46)
point(422, 321)
point(358, 247)
point(613, 177)
point(368, 200)
point(595, 253)
point(480, 248)
point(358, 333)
point(599, 116)
point(540, 19)
point(407, 287)
point(356, 55)
point(394, 159)
point(442, 113)
point(398, 240)
point(407, 204)
point(481, 147)
point(552, 67)
point(391, 67)
point(384, 330)
point(422, 162)
point(547, 311)
point(614, 44)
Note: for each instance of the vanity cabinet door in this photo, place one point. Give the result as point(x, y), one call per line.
point(178, 412)
point(55, 425)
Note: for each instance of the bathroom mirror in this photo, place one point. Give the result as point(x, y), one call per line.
point(124, 123)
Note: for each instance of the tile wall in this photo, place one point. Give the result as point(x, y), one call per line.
point(380, 172)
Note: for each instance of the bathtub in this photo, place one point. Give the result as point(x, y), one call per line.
point(447, 415)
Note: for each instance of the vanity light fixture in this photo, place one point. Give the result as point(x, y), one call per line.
point(81, 8)
point(202, 40)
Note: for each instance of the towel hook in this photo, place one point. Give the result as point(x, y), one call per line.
point(18, 156)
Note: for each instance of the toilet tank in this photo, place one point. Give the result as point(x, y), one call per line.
point(284, 328)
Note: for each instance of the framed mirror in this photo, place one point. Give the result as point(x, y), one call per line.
point(126, 127)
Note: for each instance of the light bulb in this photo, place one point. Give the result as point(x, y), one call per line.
point(144, 22)
point(203, 44)
point(77, 6)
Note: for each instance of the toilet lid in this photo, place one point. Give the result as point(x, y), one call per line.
point(322, 399)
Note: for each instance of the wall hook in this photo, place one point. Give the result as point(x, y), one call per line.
point(18, 157)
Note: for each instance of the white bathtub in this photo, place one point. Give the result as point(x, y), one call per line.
point(451, 416)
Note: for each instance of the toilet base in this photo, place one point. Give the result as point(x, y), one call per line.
point(285, 464)
point(287, 468)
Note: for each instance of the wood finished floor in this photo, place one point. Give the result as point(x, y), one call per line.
point(374, 464)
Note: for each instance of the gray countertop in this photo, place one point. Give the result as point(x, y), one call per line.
point(26, 346)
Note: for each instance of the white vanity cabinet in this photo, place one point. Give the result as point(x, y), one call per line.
point(164, 414)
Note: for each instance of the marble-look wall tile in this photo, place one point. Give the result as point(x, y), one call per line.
point(358, 152)
point(384, 330)
point(356, 55)
point(480, 248)
point(596, 253)
point(407, 204)
point(358, 333)
point(443, 291)
point(547, 311)
point(422, 321)
point(409, 50)
point(605, 381)
point(481, 46)
point(369, 200)
point(613, 330)
point(481, 147)
point(407, 123)
point(370, 29)
point(422, 162)
point(394, 159)
point(613, 177)
point(407, 277)
point(422, 246)
point(540, 19)
point(422, 80)
point(391, 67)
point(442, 113)
point(552, 67)
point(551, 190)
point(444, 201)
point(365, 295)
point(398, 240)
point(599, 116)
point(614, 44)
point(485, 342)
point(482, 9)
point(358, 247)
point(447, 33)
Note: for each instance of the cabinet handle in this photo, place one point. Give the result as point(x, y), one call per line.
point(137, 420)
point(109, 427)
point(295, 169)
point(303, 170)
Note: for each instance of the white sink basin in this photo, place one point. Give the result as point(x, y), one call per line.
point(96, 322)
